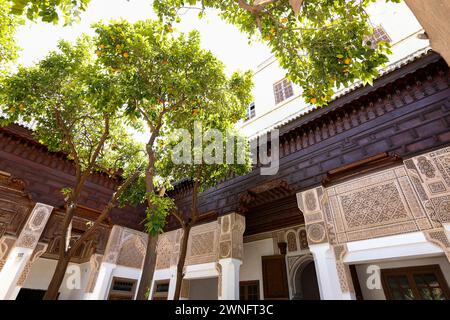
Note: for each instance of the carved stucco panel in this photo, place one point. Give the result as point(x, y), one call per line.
point(6, 244)
point(38, 251)
point(34, 226)
point(94, 262)
point(126, 247)
point(430, 176)
point(231, 240)
point(202, 244)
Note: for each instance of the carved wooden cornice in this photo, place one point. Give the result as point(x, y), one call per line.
point(370, 164)
point(19, 141)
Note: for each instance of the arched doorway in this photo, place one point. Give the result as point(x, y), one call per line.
point(305, 281)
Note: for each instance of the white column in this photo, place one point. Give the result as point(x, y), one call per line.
point(327, 276)
point(22, 251)
point(172, 282)
point(103, 282)
point(13, 268)
point(230, 278)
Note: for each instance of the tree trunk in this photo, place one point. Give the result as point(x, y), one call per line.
point(57, 279)
point(181, 260)
point(149, 268)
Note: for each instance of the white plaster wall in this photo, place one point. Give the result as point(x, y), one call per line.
point(203, 289)
point(378, 294)
point(41, 274)
point(251, 268)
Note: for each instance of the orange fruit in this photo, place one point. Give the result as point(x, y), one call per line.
point(347, 61)
point(126, 55)
point(313, 100)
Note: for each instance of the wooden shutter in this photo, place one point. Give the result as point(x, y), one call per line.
point(274, 277)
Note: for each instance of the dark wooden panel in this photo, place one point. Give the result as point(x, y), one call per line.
point(274, 277)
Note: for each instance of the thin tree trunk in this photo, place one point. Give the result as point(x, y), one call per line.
point(181, 260)
point(148, 269)
point(57, 279)
point(150, 254)
point(186, 231)
point(65, 255)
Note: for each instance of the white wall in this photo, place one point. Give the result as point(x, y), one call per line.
point(378, 294)
point(203, 289)
point(41, 274)
point(251, 268)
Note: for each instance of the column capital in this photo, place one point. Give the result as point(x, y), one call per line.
point(231, 236)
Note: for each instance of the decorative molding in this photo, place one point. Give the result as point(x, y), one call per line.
point(38, 251)
point(203, 244)
point(6, 244)
point(439, 238)
point(232, 227)
point(126, 247)
point(94, 262)
point(343, 270)
point(34, 226)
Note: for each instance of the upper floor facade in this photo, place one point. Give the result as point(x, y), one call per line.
point(277, 100)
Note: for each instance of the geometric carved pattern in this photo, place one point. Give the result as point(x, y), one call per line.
point(316, 233)
point(36, 222)
point(96, 260)
point(426, 167)
point(126, 247)
point(202, 244)
point(6, 244)
point(303, 239)
point(38, 251)
point(373, 206)
point(439, 237)
point(343, 270)
point(232, 227)
point(291, 241)
point(132, 253)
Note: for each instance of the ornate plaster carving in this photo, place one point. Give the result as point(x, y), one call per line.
point(38, 251)
point(203, 243)
point(34, 226)
point(126, 247)
point(232, 227)
point(94, 262)
point(6, 244)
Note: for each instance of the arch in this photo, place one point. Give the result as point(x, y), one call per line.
point(303, 278)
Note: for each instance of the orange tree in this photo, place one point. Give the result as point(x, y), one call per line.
point(75, 108)
point(164, 80)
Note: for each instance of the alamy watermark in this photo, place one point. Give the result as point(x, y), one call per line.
point(215, 147)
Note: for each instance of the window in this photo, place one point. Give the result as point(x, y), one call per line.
point(379, 34)
point(251, 111)
point(282, 90)
point(415, 283)
point(122, 289)
point(161, 290)
point(249, 290)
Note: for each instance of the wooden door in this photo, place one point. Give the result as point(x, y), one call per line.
point(275, 277)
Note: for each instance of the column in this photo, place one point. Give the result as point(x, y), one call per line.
point(230, 278)
point(21, 254)
point(429, 174)
point(103, 281)
point(333, 275)
point(327, 276)
point(231, 243)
